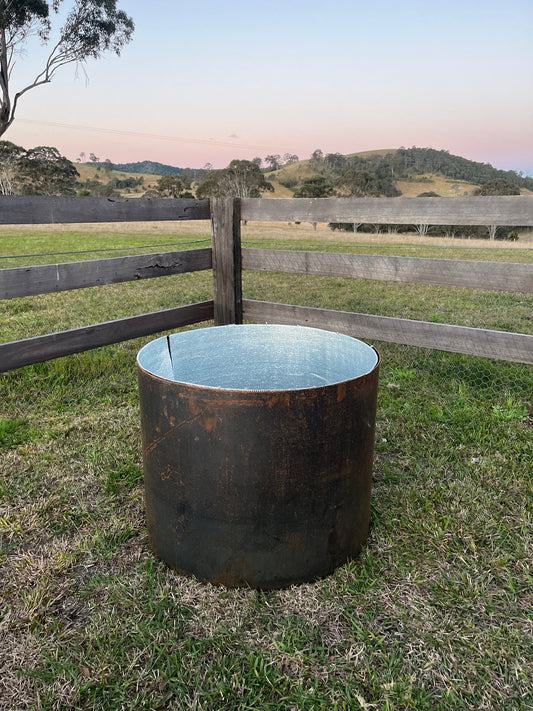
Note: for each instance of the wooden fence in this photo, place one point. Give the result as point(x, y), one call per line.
point(227, 260)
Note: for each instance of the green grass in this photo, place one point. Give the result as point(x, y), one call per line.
point(48, 246)
point(434, 614)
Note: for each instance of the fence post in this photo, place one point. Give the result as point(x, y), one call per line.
point(227, 260)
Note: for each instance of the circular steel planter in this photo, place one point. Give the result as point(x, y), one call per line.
point(258, 447)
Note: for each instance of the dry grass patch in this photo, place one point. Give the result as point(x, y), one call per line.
point(445, 187)
point(304, 232)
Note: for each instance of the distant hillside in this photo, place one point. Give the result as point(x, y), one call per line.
point(409, 162)
point(402, 171)
point(147, 167)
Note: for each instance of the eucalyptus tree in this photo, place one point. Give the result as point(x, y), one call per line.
point(497, 186)
point(317, 186)
point(273, 161)
point(242, 178)
point(89, 28)
point(289, 158)
point(10, 154)
point(44, 171)
point(357, 183)
point(172, 186)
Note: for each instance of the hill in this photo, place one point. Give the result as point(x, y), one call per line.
point(147, 167)
point(402, 171)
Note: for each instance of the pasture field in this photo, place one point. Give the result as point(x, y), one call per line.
point(434, 615)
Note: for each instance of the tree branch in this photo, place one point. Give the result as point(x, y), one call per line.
point(90, 28)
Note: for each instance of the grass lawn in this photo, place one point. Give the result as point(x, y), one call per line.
point(436, 612)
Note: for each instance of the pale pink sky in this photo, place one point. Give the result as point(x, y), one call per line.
point(240, 79)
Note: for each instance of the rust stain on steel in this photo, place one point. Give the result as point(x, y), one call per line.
point(262, 489)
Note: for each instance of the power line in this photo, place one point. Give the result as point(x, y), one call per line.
point(107, 249)
point(138, 134)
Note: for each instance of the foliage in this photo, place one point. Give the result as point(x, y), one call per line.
point(124, 183)
point(90, 28)
point(43, 171)
point(289, 158)
point(148, 167)
point(242, 178)
point(18, 13)
point(108, 166)
point(213, 185)
point(336, 162)
point(358, 183)
point(95, 188)
point(37, 171)
point(288, 181)
point(10, 154)
point(498, 186)
point(315, 187)
point(172, 186)
point(273, 162)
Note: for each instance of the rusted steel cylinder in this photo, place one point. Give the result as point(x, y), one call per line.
point(258, 446)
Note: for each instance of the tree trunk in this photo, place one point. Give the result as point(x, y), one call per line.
point(422, 230)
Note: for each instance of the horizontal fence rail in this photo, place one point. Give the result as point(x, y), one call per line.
point(501, 345)
point(54, 345)
point(509, 210)
point(39, 210)
point(49, 278)
point(496, 276)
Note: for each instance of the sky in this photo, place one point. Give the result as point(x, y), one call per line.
point(214, 81)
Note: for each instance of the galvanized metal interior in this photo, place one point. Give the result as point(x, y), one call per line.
point(258, 357)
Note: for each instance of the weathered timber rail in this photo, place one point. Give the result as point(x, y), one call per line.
point(227, 260)
point(37, 210)
point(48, 278)
point(509, 210)
point(439, 272)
